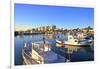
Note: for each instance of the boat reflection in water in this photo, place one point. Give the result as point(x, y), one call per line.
point(78, 49)
point(43, 49)
point(76, 53)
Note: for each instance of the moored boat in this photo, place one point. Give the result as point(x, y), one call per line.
point(74, 42)
point(40, 53)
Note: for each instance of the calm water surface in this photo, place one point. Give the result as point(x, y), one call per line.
point(73, 53)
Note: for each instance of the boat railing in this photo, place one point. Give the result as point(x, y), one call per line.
point(29, 60)
point(26, 57)
point(39, 58)
point(39, 47)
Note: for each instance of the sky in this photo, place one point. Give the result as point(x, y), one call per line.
point(28, 16)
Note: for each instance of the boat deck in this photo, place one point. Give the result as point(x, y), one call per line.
point(49, 57)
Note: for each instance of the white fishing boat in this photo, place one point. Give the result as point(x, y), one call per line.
point(40, 53)
point(74, 42)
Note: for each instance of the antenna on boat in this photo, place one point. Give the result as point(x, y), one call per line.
point(43, 41)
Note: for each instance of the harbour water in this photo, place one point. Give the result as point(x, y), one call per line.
point(72, 53)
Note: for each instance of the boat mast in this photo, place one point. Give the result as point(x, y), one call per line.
point(44, 42)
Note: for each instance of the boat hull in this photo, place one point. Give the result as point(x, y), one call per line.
point(76, 45)
point(60, 44)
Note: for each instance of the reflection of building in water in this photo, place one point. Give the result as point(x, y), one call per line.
point(31, 36)
point(72, 49)
point(50, 36)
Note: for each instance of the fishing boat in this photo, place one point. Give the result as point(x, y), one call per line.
point(74, 42)
point(40, 53)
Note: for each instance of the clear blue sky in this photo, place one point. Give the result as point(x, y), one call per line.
point(28, 16)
